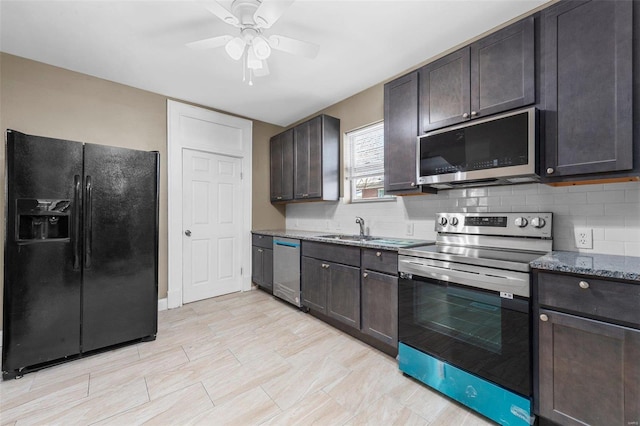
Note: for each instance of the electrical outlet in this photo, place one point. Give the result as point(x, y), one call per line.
point(584, 238)
point(409, 228)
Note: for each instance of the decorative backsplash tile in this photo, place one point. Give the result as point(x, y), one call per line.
point(611, 210)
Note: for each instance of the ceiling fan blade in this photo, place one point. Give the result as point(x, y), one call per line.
point(222, 13)
point(270, 11)
point(293, 46)
point(210, 43)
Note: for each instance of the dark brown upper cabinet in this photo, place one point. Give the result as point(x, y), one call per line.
point(588, 51)
point(305, 162)
point(400, 134)
point(317, 159)
point(494, 74)
point(282, 166)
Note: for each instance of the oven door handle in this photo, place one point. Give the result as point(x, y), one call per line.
point(478, 277)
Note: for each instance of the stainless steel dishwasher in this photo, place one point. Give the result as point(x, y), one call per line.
point(286, 270)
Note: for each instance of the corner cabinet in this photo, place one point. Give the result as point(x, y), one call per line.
point(588, 350)
point(588, 73)
point(281, 158)
point(494, 74)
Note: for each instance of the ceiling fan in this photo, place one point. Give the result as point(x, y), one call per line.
point(252, 17)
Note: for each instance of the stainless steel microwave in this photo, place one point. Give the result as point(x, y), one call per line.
point(496, 150)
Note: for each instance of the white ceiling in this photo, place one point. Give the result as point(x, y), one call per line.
point(142, 44)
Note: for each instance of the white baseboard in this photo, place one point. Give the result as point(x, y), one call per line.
point(162, 304)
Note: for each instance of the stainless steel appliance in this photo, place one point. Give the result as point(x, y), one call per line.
point(496, 150)
point(286, 270)
point(81, 250)
point(465, 314)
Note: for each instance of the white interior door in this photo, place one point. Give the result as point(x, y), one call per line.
point(212, 225)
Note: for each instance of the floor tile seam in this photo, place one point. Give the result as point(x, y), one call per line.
point(29, 401)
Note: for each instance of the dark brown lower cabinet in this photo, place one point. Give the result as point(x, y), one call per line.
point(331, 289)
point(589, 371)
point(262, 267)
point(380, 306)
point(343, 295)
point(313, 284)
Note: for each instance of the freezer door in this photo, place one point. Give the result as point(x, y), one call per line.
point(41, 287)
point(120, 285)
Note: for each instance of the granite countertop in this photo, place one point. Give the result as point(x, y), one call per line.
point(597, 265)
point(381, 243)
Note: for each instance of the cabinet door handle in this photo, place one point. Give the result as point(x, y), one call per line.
point(365, 275)
point(465, 115)
point(305, 195)
point(550, 170)
point(583, 284)
point(474, 113)
point(278, 198)
point(260, 250)
point(413, 184)
point(378, 254)
point(544, 317)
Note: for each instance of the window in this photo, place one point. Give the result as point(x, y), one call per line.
point(365, 165)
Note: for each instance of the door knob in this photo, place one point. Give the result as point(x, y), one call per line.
point(473, 113)
point(465, 115)
point(544, 317)
point(187, 233)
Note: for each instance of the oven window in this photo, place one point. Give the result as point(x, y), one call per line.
point(461, 314)
point(473, 329)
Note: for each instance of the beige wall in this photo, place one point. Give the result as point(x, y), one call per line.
point(48, 101)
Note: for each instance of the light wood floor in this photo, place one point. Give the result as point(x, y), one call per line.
point(242, 359)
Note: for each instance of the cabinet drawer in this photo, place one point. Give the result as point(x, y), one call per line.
point(347, 255)
point(617, 301)
point(380, 260)
point(264, 241)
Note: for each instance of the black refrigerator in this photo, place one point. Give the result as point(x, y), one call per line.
point(81, 250)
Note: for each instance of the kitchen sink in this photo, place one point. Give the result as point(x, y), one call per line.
point(396, 242)
point(346, 237)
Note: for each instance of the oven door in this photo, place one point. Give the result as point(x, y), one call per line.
point(471, 328)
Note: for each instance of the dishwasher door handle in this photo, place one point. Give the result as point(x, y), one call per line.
point(286, 244)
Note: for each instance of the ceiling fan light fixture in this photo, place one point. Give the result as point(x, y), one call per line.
point(235, 48)
point(261, 47)
point(253, 62)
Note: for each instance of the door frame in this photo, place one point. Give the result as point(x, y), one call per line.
point(238, 143)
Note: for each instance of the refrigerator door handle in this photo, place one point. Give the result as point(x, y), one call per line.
point(87, 223)
point(76, 222)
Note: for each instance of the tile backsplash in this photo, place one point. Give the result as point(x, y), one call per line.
point(611, 210)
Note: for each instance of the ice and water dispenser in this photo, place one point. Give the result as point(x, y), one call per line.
point(42, 219)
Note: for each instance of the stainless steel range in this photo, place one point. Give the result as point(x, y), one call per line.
point(464, 312)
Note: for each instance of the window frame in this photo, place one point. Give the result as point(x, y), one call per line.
point(351, 178)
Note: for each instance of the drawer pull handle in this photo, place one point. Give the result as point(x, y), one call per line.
point(544, 317)
point(584, 284)
point(378, 254)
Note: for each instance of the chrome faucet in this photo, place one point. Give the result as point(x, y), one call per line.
point(360, 221)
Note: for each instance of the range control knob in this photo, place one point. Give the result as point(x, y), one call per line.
point(520, 222)
point(537, 222)
point(453, 221)
point(442, 221)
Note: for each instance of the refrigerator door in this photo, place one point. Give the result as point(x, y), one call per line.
point(120, 285)
point(42, 289)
